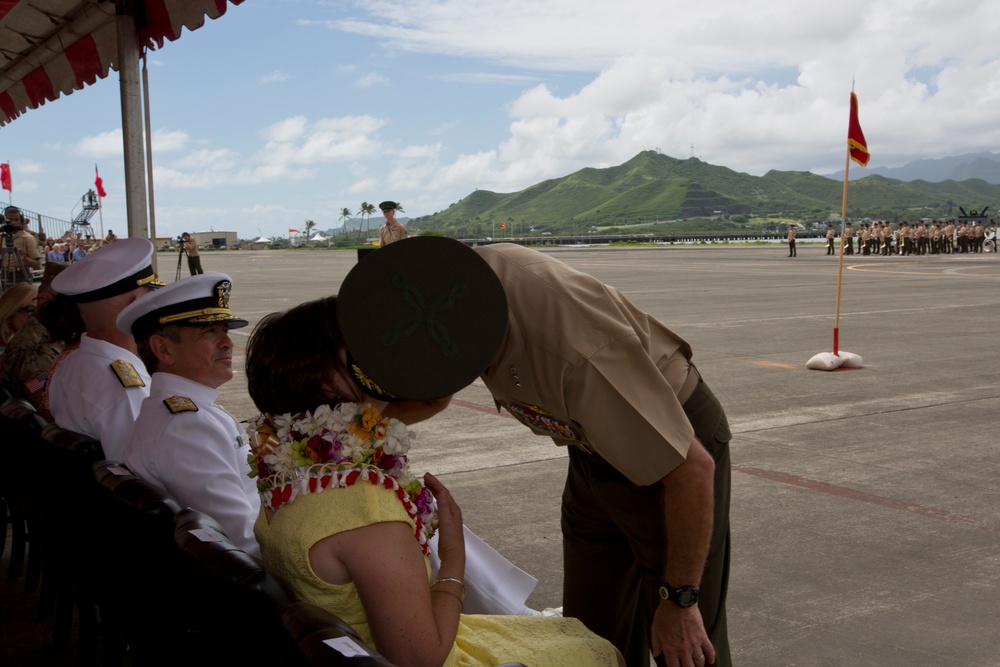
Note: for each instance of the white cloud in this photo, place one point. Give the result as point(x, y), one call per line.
point(277, 76)
point(369, 80)
point(165, 141)
point(104, 144)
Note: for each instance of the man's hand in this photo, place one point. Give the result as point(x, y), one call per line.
point(679, 634)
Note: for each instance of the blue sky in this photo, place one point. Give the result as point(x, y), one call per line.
point(287, 110)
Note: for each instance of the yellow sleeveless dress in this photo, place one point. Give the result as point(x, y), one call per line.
point(482, 640)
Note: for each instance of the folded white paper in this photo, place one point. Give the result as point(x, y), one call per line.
point(493, 585)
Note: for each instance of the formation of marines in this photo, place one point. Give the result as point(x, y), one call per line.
point(919, 238)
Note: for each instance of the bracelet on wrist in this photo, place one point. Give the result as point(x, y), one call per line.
point(461, 583)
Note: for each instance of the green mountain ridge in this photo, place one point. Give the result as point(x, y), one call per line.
point(653, 188)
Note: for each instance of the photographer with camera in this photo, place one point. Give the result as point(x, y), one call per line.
point(189, 246)
point(16, 236)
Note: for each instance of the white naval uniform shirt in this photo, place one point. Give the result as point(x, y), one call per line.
point(87, 396)
point(199, 456)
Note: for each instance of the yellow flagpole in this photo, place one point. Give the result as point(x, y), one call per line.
point(840, 268)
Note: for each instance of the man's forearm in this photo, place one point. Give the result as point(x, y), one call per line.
point(689, 499)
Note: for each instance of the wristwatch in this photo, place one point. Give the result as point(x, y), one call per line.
point(682, 596)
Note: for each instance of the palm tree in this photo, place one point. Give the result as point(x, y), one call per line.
point(367, 210)
point(309, 227)
point(345, 214)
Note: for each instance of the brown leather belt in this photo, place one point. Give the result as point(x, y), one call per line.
point(690, 382)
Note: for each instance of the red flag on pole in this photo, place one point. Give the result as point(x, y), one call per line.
point(99, 183)
point(5, 177)
point(293, 231)
point(855, 137)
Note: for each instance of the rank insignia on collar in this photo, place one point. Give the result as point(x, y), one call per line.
point(180, 404)
point(540, 420)
point(127, 375)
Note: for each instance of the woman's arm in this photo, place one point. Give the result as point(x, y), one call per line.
point(414, 624)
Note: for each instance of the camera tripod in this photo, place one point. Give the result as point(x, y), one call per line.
point(180, 254)
point(14, 269)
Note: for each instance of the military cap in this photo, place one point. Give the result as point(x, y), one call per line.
point(422, 318)
point(199, 300)
point(113, 270)
point(388, 205)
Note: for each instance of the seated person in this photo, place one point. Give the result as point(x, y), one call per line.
point(182, 440)
point(345, 521)
point(55, 326)
point(16, 306)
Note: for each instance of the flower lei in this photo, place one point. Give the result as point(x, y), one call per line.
point(335, 447)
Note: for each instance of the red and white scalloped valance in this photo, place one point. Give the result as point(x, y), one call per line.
point(50, 48)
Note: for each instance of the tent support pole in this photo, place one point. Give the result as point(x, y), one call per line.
point(128, 71)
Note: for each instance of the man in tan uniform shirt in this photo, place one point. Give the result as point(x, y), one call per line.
point(392, 230)
point(25, 244)
point(649, 456)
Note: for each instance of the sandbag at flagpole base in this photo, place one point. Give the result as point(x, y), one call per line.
point(828, 361)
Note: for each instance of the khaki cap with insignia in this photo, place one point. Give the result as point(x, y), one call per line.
point(113, 270)
point(198, 300)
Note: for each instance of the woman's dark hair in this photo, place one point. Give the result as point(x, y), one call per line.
point(61, 318)
point(293, 359)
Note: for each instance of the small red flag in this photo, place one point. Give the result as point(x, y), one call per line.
point(293, 231)
point(99, 183)
point(856, 143)
point(5, 177)
point(503, 225)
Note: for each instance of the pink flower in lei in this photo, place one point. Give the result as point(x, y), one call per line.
point(337, 447)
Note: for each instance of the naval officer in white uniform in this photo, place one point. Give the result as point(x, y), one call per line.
point(182, 440)
point(98, 388)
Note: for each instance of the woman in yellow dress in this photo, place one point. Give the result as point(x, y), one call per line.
point(346, 523)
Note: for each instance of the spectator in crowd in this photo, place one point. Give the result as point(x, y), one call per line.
point(392, 230)
point(55, 325)
point(194, 257)
point(97, 390)
point(79, 252)
point(16, 305)
point(183, 441)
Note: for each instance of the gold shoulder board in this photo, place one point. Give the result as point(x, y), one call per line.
point(180, 404)
point(127, 375)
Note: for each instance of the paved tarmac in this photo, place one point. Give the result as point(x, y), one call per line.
point(865, 506)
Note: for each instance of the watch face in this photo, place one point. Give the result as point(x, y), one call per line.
point(664, 593)
point(686, 598)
